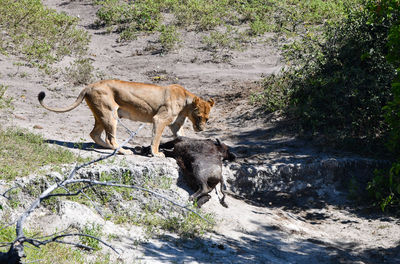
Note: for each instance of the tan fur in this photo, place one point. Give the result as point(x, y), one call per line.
point(161, 105)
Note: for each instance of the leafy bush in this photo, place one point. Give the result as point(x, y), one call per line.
point(337, 82)
point(344, 82)
point(128, 18)
point(80, 71)
point(388, 14)
point(385, 186)
point(42, 35)
point(94, 230)
point(169, 37)
point(203, 15)
point(219, 41)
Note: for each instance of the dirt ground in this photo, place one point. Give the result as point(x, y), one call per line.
point(246, 232)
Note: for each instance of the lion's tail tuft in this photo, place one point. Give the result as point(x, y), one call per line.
point(41, 96)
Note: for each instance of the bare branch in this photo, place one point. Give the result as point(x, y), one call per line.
point(55, 239)
point(94, 205)
point(5, 244)
point(9, 190)
point(54, 234)
point(94, 182)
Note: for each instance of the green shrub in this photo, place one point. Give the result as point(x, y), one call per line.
point(338, 82)
point(388, 14)
point(80, 71)
point(129, 18)
point(385, 186)
point(169, 37)
point(203, 15)
point(345, 83)
point(94, 230)
point(223, 40)
point(41, 34)
point(275, 94)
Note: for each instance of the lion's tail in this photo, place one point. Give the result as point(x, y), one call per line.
point(77, 102)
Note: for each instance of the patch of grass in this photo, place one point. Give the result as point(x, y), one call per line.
point(226, 40)
point(94, 230)
point(203, 15)
point(128, 18)
point(159, 182)
point(14, 201)
point(189, 226)
point(186, 225)
point(4, 101)
point(50, 253)
point(23, 153)
point(41, 35)
point(258, 16)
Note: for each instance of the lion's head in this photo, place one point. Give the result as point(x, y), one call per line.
point(200, 114)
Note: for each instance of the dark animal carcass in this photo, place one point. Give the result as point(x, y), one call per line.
point(201, 162)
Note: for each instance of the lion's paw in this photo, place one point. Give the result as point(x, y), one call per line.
point(159, 155)
point(125, 151)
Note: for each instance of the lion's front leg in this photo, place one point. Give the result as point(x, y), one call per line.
point(160, 121)
point(177, 126)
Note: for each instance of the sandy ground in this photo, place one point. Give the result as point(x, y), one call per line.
point(246, 232)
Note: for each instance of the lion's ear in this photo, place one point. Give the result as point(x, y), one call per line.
point(211, 101)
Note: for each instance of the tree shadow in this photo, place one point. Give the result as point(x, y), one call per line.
point(284, 171)
point(268, 245)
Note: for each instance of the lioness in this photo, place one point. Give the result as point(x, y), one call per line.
point(160, 105)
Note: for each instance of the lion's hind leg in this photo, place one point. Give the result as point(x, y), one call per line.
point(110, 126)
point(96, 134)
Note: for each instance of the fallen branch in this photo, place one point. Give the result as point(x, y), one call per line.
point(93, 182)
point(39, 243)
point(9, 190)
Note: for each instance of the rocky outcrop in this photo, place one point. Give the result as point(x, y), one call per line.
point(325, 179)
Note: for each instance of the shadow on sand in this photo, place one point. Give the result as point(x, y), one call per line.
point(268, 245)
